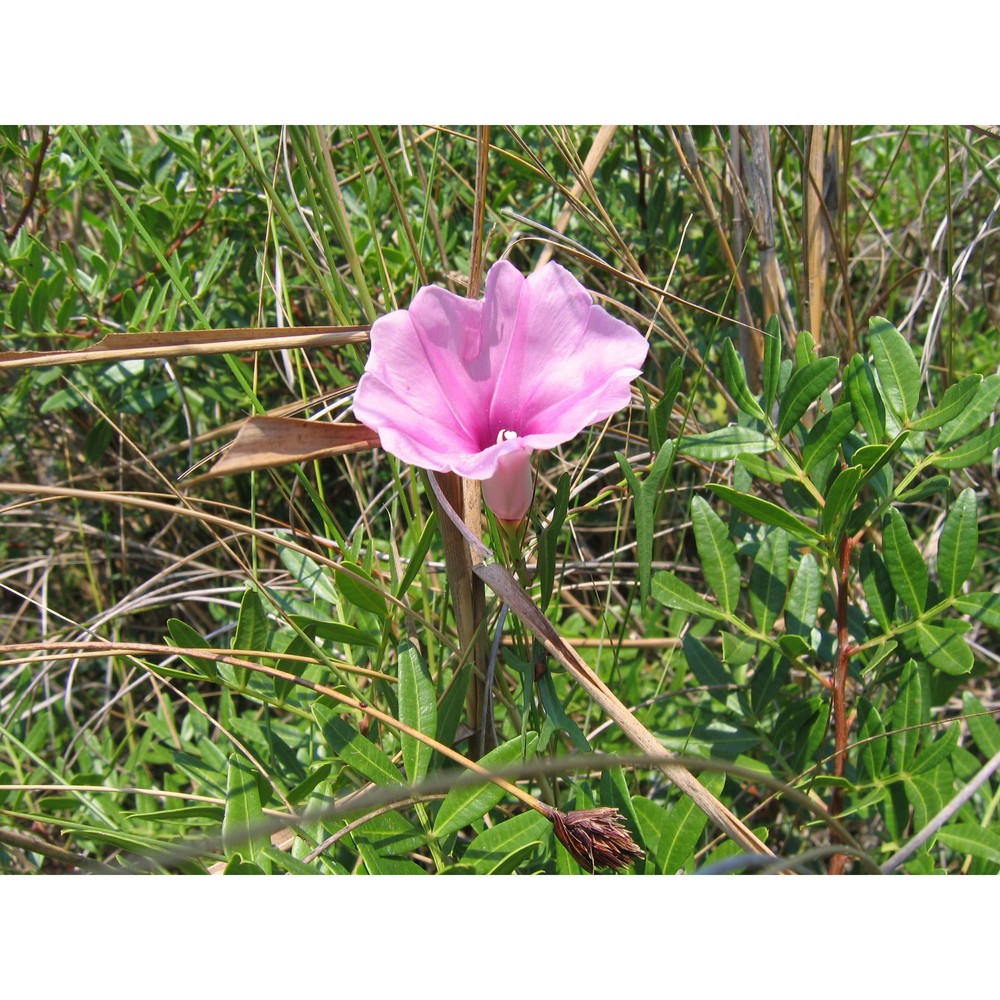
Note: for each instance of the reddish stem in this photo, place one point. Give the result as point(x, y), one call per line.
point(36, 173)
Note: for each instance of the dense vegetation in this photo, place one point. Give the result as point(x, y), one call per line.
point(778, 565)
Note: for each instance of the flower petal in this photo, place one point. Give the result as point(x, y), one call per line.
point(568, 363)
point(425, 381)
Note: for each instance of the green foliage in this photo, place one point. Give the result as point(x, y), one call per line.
point(205, 663)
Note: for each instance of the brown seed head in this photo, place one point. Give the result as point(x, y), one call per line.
point(596, 838)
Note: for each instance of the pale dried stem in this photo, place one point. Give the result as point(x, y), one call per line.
point(597, 150)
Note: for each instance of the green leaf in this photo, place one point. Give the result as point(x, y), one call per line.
point(646, 496)
point(840, 499)
point(684, 826)
point(938, 751)
point(969, 452)
point(772, 361)
point(252, 629)
point(953, 403)
point(356, 750)
point(726, 443)
point(944, 649)
point(897, 368)
point(769, 579)
point(879, 594)
point(981, 407)
point(375, 864)
point(242, 823)
point(803, 388)
point(359, 588)
point(928, 488)
point(925, 798)
point(826, 435)
point(904, 563)
point(760, 469)
point(674, 593)
point(466, 803)
point(803, 598)
point(490, 851)
point(767, 513)
point(417, 709)
point(707, 669)
point(181, 634)
point(865, 399)
point(970, 838)
point(982, 726)
point(871, 755)
point(958, 543)
point(548, 541)
point(982, 606)
point(911, 708)
point(717, 553)
point(17, 306)
point(735, 377)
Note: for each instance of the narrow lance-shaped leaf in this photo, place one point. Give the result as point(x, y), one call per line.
point(944, 649)
point(465, 803)
point(803, 598)
point(981, 407)
point(958, 543)
point(840, 499)
point(879, 594)
point(676, 594)
point(897, 368)
point(976, 449)
point(735, 377)
point(726, 443)
point(826, 435)
point(865, 399)
point(769, 579)
point(803, 388)
point(910, 709)
point(953, 404)
point(417, 709)
point(241, 825)
point(717, 553)
point(646, 495)
point(772, 361)
point(767, 513)
point(904, 563)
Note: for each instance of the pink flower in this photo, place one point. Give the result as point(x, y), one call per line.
point(473, 387)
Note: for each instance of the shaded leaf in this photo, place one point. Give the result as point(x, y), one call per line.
point(717, 553)
point(769, 579)
point(865, 399)
point(803, 389)
point(803, 598)
point(982, 406)
point(417, 709)
point(735, 376)
point(958, 542)
point(772, 361)
point(879, 594)
point(826, 435)
point(904, 563)
point(944, 649)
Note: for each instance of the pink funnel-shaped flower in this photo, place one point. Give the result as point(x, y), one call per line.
point(456, 385)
